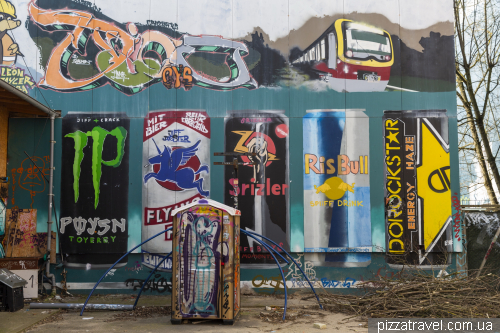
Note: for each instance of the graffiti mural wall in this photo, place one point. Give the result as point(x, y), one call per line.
point(349, 108)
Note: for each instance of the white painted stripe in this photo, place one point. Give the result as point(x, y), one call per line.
point(339, 249)
point(399, 88)
point(267, 284)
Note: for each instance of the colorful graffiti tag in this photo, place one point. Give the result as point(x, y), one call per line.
point(131, 61)
point(17, 78)
point(199, 262)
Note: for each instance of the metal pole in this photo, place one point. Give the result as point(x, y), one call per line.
point(149, 277)
point(49, 218)
point(114, 307)
point(270, 250)
point(493, 241)
point(126, 254)
point(236, 182)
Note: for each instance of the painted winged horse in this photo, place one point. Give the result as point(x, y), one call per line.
point(170, 161)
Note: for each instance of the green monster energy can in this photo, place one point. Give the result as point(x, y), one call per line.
point(94, 189)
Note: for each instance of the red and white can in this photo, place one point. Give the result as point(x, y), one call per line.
point(176, 166)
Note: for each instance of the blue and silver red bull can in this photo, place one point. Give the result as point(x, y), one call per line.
point(337, 224)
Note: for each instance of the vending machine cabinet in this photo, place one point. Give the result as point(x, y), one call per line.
point(206, 262)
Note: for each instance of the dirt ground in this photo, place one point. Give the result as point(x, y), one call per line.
point(151, 316)
point(149, 319)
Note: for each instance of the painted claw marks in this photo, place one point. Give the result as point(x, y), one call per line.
point(239, 77)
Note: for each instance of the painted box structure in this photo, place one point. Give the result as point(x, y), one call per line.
point(11, 291)
point(206, 262)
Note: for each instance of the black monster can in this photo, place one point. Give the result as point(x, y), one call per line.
point(94, 189)
point(263, 188)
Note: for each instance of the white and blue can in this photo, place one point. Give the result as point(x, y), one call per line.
point(337, 224)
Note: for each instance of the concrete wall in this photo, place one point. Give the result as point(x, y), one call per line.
point(351, 189)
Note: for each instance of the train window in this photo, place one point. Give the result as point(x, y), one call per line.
point(322, 49)
point(363, 42)
point(332, 51)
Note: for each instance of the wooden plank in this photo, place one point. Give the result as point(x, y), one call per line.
point(19, 263)
point(22, 240)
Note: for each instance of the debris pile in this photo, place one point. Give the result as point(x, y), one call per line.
point(276, 315)
point(422, 295)
point(142, 312)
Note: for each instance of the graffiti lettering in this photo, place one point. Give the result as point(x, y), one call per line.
point(330, 203)
point(345, 166)
point(154, 259)
point(255, 256)
point(75, 60)
point(258, 189)
point(16, 77)
point(176, 77)
point(456, 216)
point(195, 120)
point(162, 24)
point(174, 136)
point(161, 215)
point(347, 283)
point(274, 281)
point(131, 61)
point(98, 135)
point(257, 248)
point(225, 306)
point(255, 120)
point(394, 202)
point(80, 225)
point(92, 240)
point(157, 283)
point(88, 4)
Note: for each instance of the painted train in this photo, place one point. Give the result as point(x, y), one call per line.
point(351, 56)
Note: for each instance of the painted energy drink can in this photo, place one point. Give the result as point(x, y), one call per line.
point(176, 164)
point(94, 189)
point(263, 189)
point(418, 212)
point(337, 224)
